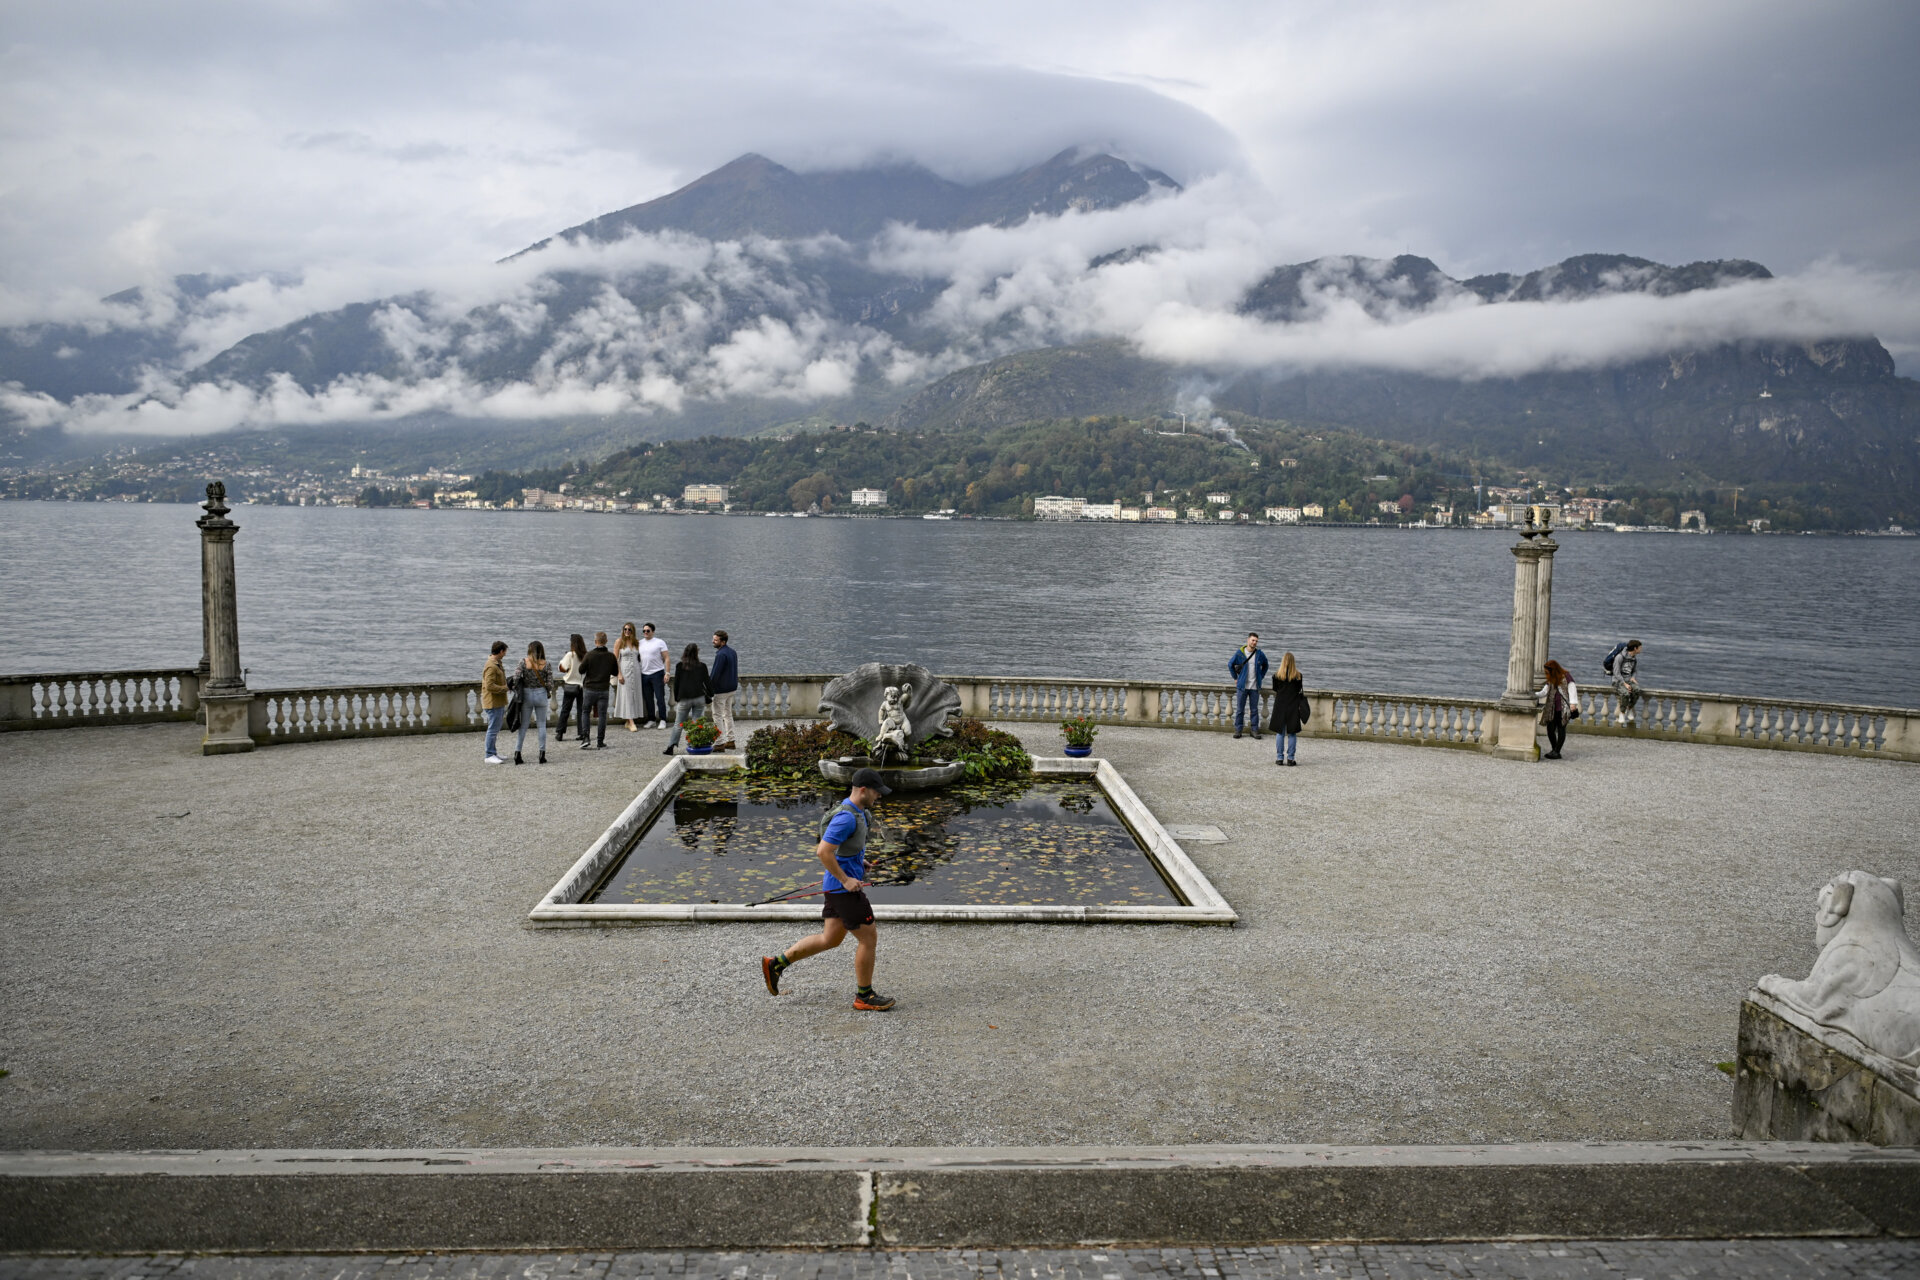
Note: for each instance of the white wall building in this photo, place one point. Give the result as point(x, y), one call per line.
point(1284, 515)
point(1160, 513)
point(1313, 511)
point(1055, 507)
point(1219, 499)
point(869, 497)
point(711, 495)
point(1100, 511)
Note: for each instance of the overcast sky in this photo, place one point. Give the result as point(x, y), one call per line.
point(333, 151)
point(147, 139)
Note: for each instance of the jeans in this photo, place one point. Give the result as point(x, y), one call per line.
point(1246, 703)
point(653, 696)
point(534, 706)
point(495, 717)
point(723, 715)
point(683, 712)
point(1283, 745)
point(591, 700)
point(569, 703)
point(1556, 735)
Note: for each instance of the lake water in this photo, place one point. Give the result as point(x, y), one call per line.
point(348, 596)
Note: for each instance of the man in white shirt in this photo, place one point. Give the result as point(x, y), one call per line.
point(653, 679)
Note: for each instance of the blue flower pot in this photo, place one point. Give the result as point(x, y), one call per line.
point(699, 751)
point(1079, 752)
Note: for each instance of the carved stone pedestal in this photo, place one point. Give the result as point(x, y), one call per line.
point(1516, 733)
point(1797, 1081)
point(226, 720)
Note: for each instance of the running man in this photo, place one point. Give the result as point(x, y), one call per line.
point(843, 852)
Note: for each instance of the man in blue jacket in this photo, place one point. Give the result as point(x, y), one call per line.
point(1249, 667)
point(725, 680)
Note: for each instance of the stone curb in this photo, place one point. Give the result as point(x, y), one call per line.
point(664, 1198)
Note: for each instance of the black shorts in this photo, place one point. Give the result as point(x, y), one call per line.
point(851, 909)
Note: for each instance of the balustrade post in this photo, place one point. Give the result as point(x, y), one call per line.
point(1901, 739)
point(224, 695)
point(803, 699)
point(1518, 715)
point(1719, 721)
point(1136, 706)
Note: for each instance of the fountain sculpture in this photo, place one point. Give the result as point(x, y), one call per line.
point(895, 707)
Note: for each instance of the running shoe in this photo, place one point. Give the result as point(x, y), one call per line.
point(771, 974)
point(874, 1003)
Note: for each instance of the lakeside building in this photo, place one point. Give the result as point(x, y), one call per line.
point(1587, 510)
point(1160, 513)
point(1055, 507)
point(1388, 507)
point(1284, 515)
point(1100, 511)
point(710, 495)
point(1226, 513)
point(1196, 513)
point(1219, 499)
point(1129, 513)
point(1313, 511)
point(1697, 518)
point(869, 497)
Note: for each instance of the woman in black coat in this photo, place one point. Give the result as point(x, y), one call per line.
point(1290, 709)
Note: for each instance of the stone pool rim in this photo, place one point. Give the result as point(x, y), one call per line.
point(561, 908)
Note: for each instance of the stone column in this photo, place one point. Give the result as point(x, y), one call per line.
point(1518, 717)
point(223, 695)
point(1543, 607)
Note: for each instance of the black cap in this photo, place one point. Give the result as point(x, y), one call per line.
point(869, 778)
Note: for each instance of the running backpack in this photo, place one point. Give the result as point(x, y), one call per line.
point(1607, 664)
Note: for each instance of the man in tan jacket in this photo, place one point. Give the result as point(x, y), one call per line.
point(493, 698)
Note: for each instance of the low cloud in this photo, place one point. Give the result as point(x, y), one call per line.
point(673, 319)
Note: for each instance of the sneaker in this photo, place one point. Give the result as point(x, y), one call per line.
point(495, 760)
point(1237, 733)
point(585, 745)
point(1256, 737)
point(1279, 761)
point(875, 1003)
point(771, 974)
point(1293, 762)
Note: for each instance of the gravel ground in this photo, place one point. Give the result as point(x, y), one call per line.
point(323, 946)
point(1541, 1260)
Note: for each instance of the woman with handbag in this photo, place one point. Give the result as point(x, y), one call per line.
point(1559, 703)
point(534, 680)
point(1290, 709)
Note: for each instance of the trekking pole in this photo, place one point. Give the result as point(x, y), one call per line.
point(793, 895)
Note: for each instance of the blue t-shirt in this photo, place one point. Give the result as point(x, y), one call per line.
point(846, 820)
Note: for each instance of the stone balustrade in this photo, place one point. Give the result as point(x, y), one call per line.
point(69, 699)
point(1782, 723)
point(363, 711)
point(63, 700)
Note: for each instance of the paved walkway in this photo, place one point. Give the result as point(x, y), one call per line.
point(323, 946)
point(1614, 1260)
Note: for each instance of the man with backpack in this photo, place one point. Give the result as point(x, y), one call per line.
point(1622, 667)
point(843, 852)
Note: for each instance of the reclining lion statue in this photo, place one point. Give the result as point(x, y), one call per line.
point(1866, 980)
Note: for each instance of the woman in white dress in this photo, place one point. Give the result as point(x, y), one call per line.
point(626, 703)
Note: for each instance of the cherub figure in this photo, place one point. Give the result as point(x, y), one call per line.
point(895, 729)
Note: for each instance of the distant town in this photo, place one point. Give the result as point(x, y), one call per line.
point(1319, 478)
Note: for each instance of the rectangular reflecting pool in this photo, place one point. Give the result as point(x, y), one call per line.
point(1045, 841)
